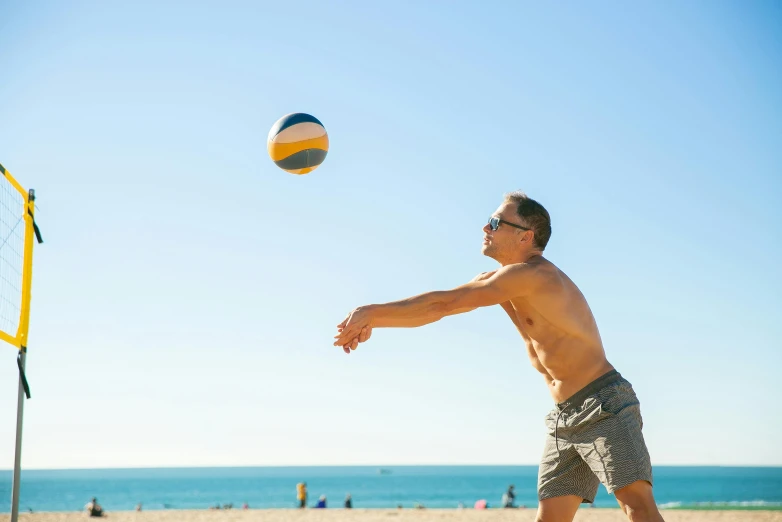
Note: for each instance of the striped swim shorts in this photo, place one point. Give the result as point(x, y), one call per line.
point(593, 437)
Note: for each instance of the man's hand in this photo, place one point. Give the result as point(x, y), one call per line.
point(356, 328)
point(364, 336)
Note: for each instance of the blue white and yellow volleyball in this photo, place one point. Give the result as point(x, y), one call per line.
point(298, 143)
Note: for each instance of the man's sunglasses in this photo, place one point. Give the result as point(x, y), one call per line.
point(494, 224)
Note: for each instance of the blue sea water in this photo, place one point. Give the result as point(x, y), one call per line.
point(432, 486)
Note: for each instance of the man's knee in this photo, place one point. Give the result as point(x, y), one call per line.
point(637, 501)
point(642, 513)
point(558, 509)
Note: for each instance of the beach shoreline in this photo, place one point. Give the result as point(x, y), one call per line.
point(400, 515)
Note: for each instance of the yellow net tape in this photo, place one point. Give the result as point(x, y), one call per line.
point(17, 230)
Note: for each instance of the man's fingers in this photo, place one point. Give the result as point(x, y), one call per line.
point(344, 336)
point(352, 345)
point(365, 334)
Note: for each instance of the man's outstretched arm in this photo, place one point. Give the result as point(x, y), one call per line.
point(423, 319)
point(485, 290)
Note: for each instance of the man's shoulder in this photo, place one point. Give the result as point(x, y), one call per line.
point(537, 267)
point(535, 276)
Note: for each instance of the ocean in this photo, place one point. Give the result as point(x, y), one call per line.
point(370, 487)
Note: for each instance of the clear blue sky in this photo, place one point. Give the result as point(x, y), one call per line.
point(186, 296)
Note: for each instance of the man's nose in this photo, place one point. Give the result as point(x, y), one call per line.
point(486, 228)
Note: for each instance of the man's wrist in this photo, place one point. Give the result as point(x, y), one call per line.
point(372, 312)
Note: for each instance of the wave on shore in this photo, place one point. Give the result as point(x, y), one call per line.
point(734, 504)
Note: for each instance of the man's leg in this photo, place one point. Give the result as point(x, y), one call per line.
point(637, 501)
point(611, 442)
point(564, 479)
point(558, 509)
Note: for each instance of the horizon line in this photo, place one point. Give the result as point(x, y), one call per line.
point(383, 466)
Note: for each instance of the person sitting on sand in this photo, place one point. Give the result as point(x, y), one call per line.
point(93, 508)
point(348, 502)
point(321, 502)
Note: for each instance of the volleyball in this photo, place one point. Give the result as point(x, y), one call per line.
point(298, 143)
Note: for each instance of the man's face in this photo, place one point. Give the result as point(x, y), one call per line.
point(503, 243)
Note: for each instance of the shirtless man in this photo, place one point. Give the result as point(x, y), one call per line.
point(594, 431)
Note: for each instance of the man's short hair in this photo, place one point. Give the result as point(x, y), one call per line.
point(532, 215)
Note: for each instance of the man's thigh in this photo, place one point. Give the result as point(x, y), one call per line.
point(562, 472)
point(612, 444)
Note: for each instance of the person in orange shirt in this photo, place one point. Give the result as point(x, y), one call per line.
point(301, 494)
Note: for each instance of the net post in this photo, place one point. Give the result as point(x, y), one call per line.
point(18, 451)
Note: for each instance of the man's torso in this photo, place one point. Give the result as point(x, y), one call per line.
point(559, 330)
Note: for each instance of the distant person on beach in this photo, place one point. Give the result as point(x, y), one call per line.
point(301, 494)
point(94, 509)
point(594, 431)
point(348, 502)
point(321, 502)
point(508, 498)
point(138, 506)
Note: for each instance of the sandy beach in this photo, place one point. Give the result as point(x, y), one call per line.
point(387, 515)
